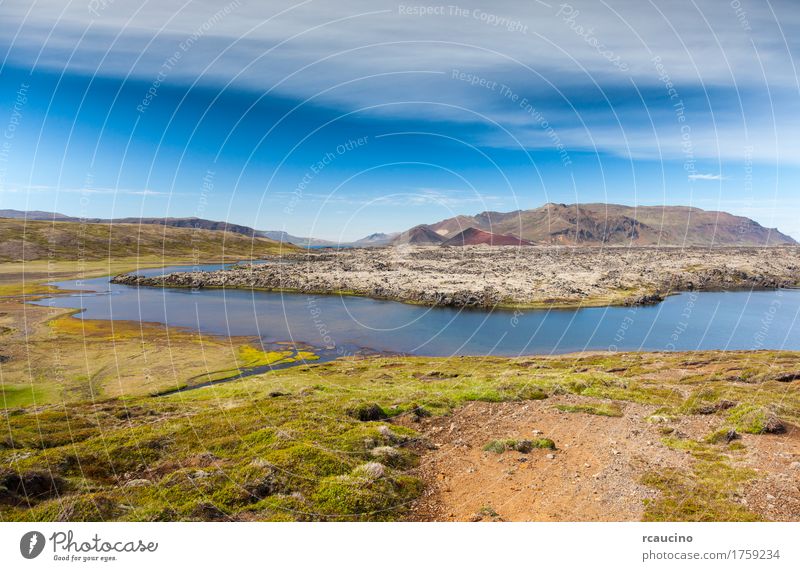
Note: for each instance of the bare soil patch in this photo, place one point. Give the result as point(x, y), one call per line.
point(595, 473)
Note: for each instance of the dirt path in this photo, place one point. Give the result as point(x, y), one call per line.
point(593, 475)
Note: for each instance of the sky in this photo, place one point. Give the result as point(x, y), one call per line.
point(340, 119)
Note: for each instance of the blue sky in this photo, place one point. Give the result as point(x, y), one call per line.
point(343, 119)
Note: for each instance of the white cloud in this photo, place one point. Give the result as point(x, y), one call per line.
point(706, 176)
point(57, 189)
point(366, 53)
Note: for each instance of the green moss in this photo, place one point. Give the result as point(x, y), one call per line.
point(524, 446)
point(749, 418)
point(12, 396)
point(365, 494)
point(596, 409)
point(366, 412)
point(722, 436)
point(705, 492)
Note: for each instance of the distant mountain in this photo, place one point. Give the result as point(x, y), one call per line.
point(474, 237)
point(32, 215)
point(188, 222)
point(286, 238)
point(374, 240)
point(183, 223)
point(611, 224)
point(551, 224)
point(419, 235)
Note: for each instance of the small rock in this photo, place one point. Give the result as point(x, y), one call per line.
point(774, 426)
point(551, 456)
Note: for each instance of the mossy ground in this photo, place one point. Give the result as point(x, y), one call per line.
point(705, 492)
point(233, 451)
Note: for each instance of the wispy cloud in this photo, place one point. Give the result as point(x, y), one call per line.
point(357, 54)
point(449, 198)
point(57, 189)
point(707, 176)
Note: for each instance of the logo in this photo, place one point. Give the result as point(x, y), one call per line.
point(31, 544)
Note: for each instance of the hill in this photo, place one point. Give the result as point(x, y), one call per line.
point(306, 242)
point(374, 240)
point(33, 215)
point(186, 222)
point(611, 224)
point(38, 239)
point(475, 237)
point(419, 235)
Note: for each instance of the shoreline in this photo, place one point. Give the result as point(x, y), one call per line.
point(498, 278)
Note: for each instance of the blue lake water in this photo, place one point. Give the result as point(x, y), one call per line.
point(739, 320)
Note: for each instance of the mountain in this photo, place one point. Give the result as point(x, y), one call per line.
point(551, 224)
point(612, 224)
point(375, 240)
point(187, 222)
point(287, 238)
point(32, 215)
point(66, 240)
point(418, 235)
point(192, 222)
point(474, 237)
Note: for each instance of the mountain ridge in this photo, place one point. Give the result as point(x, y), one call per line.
point(613, 224)
point(587, 224)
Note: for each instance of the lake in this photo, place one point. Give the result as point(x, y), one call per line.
point(740, 320)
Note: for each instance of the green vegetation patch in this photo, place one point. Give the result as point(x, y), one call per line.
point(754, 419)
point(12, 396)
point(705, 492)
point(524, 446)
point(331, 441)
point(596, 409)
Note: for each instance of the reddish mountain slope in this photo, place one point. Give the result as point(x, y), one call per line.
point(474, 236)
point(420, 235)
